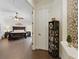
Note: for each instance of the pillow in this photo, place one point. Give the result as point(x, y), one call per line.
point(19, 31)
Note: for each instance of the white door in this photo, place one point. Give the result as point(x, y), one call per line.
point(42, 28)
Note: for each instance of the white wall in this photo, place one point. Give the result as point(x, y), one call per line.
point(57, 9)
point(31, 2)
point(63, 24)
point(8, 9)
point(64, 20)
point(54, 8)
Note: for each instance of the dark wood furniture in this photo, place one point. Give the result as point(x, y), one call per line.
point(6, 34)
point(19, 28)
point(28, 34)
point(15, 35)
point(53, 36)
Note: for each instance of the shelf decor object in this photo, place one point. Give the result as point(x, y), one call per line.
point(53, 38)
point(69, 40)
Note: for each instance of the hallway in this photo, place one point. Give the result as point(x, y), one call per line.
point(21, 49)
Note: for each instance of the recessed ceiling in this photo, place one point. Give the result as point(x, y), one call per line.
point(38, 1)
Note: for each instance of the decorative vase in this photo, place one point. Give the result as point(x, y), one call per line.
point(53, 19)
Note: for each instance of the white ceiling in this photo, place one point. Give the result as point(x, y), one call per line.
point(40, 1)
point(14, 5)
point(10, 7)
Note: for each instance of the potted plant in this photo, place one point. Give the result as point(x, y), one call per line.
point(69, 40)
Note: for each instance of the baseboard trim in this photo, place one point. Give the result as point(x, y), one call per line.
point(40, 50)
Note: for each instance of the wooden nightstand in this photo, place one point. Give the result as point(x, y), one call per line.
point(6, 34)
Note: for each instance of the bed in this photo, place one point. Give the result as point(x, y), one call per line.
point(17, 32)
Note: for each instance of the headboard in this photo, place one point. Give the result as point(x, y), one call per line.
point(18, 28)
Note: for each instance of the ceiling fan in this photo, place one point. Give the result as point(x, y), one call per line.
point(18, 17)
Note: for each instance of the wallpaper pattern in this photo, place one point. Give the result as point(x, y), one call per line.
point(72, 20)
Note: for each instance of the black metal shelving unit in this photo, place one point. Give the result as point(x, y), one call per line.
point(53, 38)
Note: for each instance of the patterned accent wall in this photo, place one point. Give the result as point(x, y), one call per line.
point(72, 20)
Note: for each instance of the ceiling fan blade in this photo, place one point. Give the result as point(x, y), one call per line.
point(21, 18)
